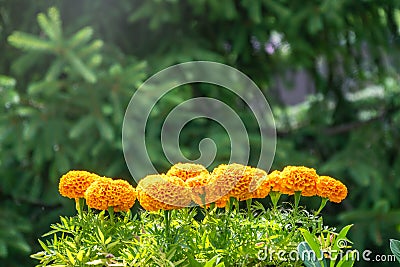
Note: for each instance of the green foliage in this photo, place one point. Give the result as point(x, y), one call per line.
point(331, 250)
point(184, 237)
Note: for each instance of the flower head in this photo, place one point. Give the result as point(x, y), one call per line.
point(200, 191)
point(334, 190)
point(236, 180)
point(257, 187)
point(298, 178)
point(186, 170)
point(164, 192)
point(73, 184)
point(106, 192)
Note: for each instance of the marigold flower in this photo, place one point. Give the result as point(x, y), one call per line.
point(221, 202)
point(232, 180)
point(334, 190)
point(200, 190)
point(236, 180)
point(164, 192)
point(258, 187)
point(73, 184)
point(186, 170)
point(106, 192)
point(298, 178)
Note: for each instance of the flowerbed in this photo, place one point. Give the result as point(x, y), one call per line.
point(192, 217)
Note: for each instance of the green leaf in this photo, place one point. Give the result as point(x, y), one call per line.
point(81, 37)
point(312, 242)
point(395, 248)
point(308, 255)
point(27, 41)
point(81, 68)
point(80, 127)
point(54, 16)
point(70, 256)
point(101, 235)
point(3, 249)
point(46, 26)
point(340, 237)
point(106, 130)
point(348, 260)
point(6, 81)
point(79, 256)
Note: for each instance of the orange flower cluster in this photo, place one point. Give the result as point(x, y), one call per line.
point(73, 184)
point(164, 192)
point(106, 192)
point(305, 180)
point(186, 182)
point(298, 179)
point(187, 170)
point(99, 192)
point(334, 190)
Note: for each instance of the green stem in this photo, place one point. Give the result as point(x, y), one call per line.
point(297, 196)
point(321, 206)
point(274, 198)
point(111, 213)
point(248, 204)
point(79, 204)
point(167, 218)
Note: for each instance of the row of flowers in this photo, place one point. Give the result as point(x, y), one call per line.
point(187, 184)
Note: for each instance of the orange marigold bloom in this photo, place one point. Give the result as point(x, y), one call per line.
point(73, 184)
point(257, 187)
point(232, 180)
point(164, 192)
point(298, 178)
point(187, 170)
point(334, 190)
point(200, 190)
point(221, 202)
point(236, 180)
point(106, 192)
point(275, 181)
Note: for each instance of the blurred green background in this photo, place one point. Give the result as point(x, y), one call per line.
point(329, 69)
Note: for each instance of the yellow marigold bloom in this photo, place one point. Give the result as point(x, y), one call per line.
point(73, 184)
point(334, 190)
point(187, 170)
point(106, 192)
point(164, 192)
point(298, 178)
